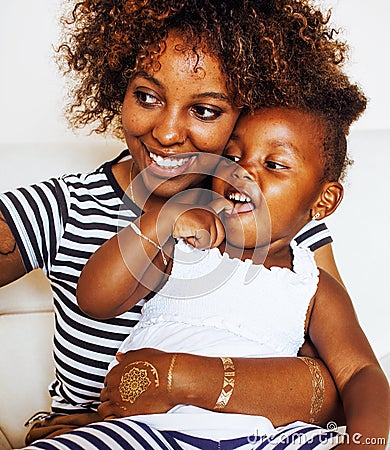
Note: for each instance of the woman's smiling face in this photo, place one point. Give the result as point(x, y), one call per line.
point(173, 114)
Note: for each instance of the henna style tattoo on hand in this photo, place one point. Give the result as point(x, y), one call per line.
point(136, 380)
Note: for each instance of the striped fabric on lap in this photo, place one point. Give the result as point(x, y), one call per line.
point(127, 434)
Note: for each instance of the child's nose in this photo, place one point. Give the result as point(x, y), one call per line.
point(240, 173)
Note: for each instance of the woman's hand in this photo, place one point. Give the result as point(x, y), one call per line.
point(137, 385)
point(277, 388)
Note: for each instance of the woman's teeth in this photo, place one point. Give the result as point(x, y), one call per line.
point(238, 197)
point(168, 163)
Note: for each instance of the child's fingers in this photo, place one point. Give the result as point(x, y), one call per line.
point(221, 204)
point(209, 239)
point(201, 240)
point(220, 234)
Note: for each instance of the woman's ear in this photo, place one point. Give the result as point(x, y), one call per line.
point(328, 201)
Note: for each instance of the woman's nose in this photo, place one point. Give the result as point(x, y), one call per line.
point(170, 129)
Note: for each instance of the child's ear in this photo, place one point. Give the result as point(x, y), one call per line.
point(328, 201)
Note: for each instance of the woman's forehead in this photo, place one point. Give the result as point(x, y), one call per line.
point(193, 50)
point(178, 63)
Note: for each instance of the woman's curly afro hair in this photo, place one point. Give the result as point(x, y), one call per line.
point(265, 49)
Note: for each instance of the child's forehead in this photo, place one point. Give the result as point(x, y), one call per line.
point(279, 126)
point(280, 118)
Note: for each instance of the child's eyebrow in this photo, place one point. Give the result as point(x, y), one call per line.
point(291, 149)
point(234, 137)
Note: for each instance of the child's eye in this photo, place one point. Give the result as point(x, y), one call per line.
point(232, 158)
point(146, 99)
point(275, 165)
point(206, 113)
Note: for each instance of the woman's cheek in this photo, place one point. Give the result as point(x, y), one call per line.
point(213, 141)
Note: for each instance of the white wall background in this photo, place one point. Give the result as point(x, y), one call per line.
point(31, 99)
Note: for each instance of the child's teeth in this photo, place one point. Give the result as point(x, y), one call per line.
point(239, 197)
point(168, 162)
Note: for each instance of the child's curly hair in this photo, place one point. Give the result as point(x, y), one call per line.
point(317, 84)
point(261, 46)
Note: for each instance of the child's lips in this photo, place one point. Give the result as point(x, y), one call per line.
point(240, 208)
point(241, 203)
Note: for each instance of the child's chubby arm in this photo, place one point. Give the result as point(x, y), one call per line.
point(344, 348)
point(130, 265)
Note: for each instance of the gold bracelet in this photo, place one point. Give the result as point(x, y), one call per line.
point(229, 372)
point(170, 373)
point(139, 233)
point(318, 384)
point(136, 381)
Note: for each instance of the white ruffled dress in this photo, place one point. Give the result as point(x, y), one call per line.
point(213, 305)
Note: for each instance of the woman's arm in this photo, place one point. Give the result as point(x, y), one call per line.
point(11, 264)
point(342, 345)
point(325, 260)
point(278, 388)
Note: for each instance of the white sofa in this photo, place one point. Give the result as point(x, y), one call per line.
point(26, 319)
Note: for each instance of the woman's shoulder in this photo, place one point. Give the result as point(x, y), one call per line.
point(98, 180)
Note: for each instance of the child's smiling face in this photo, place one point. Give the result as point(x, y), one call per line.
point(279, 167)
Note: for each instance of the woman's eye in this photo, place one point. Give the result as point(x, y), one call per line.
point(146, 99)
point(275, 165)
point(206, 113)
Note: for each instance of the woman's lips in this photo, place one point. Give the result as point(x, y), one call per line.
point(168, 166)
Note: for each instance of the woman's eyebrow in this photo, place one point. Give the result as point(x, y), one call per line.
point(146, 76)
point(201, 95)
point(215, 95)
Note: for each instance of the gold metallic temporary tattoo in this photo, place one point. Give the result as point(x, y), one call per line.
point(170, 373)
point(136, 380)
point(229, 373)
point(318, 384)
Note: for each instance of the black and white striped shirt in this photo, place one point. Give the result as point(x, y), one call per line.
point(58, 224)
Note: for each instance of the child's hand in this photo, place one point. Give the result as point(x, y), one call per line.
point(221, 204)
point(199, 227)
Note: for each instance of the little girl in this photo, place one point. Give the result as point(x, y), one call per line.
point(255, 292)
